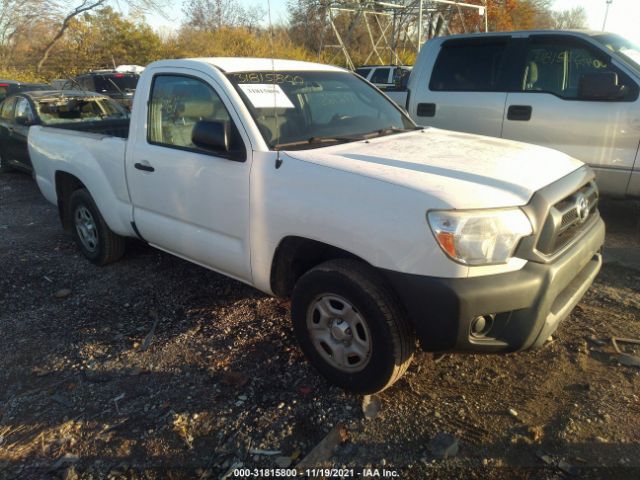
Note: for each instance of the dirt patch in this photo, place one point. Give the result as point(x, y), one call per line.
point(86, 391)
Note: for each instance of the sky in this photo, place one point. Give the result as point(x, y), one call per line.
point(623, 18)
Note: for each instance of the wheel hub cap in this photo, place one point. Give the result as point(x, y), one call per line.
point(339, 332)
point(86, 228)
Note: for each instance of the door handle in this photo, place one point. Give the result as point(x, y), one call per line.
point(426, 110)
point(520, 113)
point(145, 167)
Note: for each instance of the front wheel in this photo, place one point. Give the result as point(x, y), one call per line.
point(91, 233)
point(351, 327)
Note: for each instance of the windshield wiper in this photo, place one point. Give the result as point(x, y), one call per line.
point(320, 139)
point(388, 131)
point(317, 140)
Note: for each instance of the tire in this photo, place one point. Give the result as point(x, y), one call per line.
point(92, 235)
point(3, 164)
point(351, 327)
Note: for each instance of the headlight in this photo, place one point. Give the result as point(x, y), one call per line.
point(479, 237)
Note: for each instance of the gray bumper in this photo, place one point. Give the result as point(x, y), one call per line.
point(524, 307)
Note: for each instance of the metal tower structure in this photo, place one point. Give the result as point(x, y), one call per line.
point(389, 22)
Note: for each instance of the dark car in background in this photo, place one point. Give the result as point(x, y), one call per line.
point(118, 85)
point(11, 87)
point(63, 109)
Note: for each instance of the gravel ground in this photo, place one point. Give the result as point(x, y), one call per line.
point(156, 368)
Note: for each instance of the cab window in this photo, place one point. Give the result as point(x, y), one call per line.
point(557, 66)
point(23, 110)
point(7, 109)
point(177, 103)
point(363, 72)
point(380, 75)
point(469, 66)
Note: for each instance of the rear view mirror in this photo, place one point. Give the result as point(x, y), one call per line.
point(600, 86)
point(211, 135)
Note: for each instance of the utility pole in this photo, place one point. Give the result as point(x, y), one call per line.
point(420, 26)
point(486, 15)
point(606, 13)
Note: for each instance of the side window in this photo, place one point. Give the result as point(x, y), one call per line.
point(469, 67)
point(556, 66)
point(401, 78)
point(381, 75)
point(177, 104)
point(23, 109)
point(7, 109)
point(363, 72)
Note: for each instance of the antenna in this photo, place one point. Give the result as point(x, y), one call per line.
point(275, 95)
point(606, 14)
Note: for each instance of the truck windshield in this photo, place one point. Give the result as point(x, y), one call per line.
point(309, 109)
point(623, 47)
point(116, 83)
point(67, 109)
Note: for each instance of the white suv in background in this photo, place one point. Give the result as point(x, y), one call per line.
point(385, 77)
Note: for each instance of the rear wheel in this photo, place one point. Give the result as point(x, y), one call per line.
point(91, 233)
point(351, 327)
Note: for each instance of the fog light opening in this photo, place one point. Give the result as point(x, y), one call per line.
point(481, 325)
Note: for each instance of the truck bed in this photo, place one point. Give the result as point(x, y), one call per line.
point(115, 128)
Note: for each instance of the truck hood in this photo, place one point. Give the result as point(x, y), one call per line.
point(459, 169)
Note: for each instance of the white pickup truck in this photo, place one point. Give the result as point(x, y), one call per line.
point(308, 183)
point(577, 92)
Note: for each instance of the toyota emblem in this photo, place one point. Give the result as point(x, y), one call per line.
point(582, 207)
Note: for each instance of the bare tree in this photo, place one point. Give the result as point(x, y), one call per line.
point(76, 9)
point(18, 17)
point(211, 15)
point(572, 18)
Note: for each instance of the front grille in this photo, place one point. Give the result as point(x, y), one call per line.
point(567, 218)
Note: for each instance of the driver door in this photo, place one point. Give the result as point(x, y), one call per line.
point(189, 201)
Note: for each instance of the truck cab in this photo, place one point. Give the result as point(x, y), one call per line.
point(577, 92)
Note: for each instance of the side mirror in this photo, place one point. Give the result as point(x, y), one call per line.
point(600, 86)
point(211, 135)
point(24, 121)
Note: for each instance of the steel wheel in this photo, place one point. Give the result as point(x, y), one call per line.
point(86, 228)
point(339, 333)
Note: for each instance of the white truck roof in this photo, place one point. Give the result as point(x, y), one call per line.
point(247, 64)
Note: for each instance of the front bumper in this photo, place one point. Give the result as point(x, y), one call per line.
point(525, 307)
